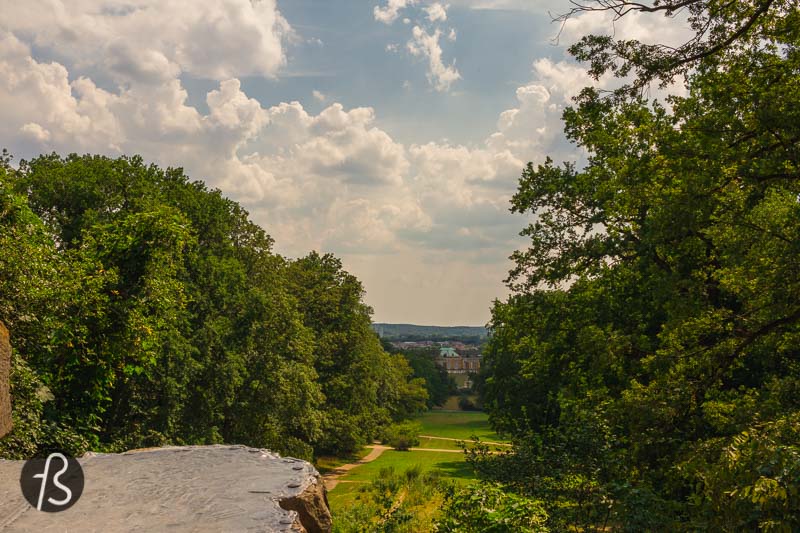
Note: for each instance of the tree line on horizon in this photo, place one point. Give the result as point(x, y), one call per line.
point(146, 310)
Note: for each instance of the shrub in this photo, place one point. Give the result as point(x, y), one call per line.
point(487, 508)
point(466, 404)
point(403, 435)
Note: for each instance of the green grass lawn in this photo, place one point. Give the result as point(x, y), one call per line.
point(344, 494)
point(457, 425)
point(450, 465)
point(451, 424)
point(425, 442)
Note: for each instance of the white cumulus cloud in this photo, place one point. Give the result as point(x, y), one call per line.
point(155, 40)
point(389, 13)
point(424, 44)
point(436, 12)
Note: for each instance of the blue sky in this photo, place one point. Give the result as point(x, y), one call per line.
point(390, 132)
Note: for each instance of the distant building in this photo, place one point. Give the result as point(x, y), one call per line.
point(456, 363)
point(447, 351)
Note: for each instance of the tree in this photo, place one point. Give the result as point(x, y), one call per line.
point(364, 387)
point(168, 300)
point(658, 296)
point(438, 383)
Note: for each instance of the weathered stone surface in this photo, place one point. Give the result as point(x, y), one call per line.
point(5, 385)
point(311, 505)
point(192, 488)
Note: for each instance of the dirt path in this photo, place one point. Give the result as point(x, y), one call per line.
point(331, 479)
point(466, 440)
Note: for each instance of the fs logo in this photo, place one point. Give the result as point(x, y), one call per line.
point(52, 484)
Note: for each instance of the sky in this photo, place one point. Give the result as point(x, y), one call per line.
point(391, 133)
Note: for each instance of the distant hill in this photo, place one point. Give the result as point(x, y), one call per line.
point(413, 332)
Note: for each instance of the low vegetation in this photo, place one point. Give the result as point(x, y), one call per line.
point(396, 502)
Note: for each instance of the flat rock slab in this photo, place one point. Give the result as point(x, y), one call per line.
point(192, 488)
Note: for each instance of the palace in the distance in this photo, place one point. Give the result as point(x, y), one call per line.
point(467, 362)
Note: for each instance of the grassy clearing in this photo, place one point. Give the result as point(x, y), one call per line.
point(344, 495)
point(449, 424)
point(449, 465)
point(458, 425)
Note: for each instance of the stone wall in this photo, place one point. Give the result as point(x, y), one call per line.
point(5, 385)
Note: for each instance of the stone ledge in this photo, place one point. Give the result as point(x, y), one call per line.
point(191, 488)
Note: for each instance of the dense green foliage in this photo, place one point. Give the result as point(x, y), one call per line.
point(489, 509)
point(648, 360)
point(439, 384)
point(146, 309)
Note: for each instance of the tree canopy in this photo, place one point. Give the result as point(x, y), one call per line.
point(648, 359)
point(146, 309)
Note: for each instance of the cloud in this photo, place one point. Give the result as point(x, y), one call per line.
point(644, 27)
point(534, 127)
point(515, 5)
point(156, 40)
point(424, 223)
point(40, 104)
point(35, 132)
point(424, 44)
point(436, 12)
point(332, 181)
point(389, 13)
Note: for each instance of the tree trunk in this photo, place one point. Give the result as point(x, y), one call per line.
point(5, 382)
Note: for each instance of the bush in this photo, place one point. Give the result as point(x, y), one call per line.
point(403, 435)
point(466, 404)
point(487, 508)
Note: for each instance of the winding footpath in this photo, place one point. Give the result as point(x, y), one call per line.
point(331, 479)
